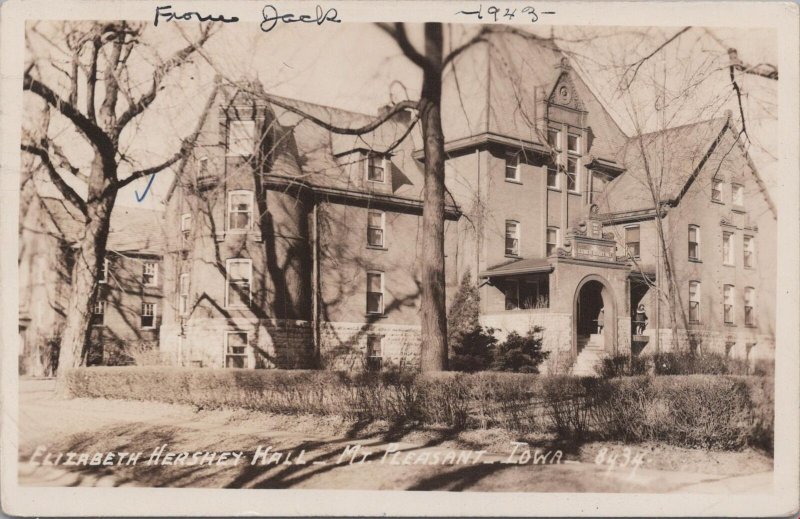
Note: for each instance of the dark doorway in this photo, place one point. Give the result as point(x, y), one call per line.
point(590, 302)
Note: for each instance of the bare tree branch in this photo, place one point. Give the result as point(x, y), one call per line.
point(398, 33)
point(178, 59)
point(62, 186)
point(638, 64)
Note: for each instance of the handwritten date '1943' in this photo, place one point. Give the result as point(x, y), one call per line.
point(500, 14)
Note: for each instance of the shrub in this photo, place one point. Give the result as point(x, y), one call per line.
point(701, 411)
point(462, 317)
point(473, 350)
point(689, 363)
point(622, 366)
point(520, 354)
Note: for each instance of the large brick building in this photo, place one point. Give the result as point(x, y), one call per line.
point(292, 246)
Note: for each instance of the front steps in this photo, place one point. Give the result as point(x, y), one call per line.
point(592, 350)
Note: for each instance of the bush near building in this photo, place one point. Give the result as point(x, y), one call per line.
point(716, 412)
point(682, 363)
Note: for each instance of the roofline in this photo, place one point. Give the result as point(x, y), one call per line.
point(513, 272)
point(486, 139)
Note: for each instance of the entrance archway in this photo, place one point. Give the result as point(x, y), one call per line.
point(592, 295)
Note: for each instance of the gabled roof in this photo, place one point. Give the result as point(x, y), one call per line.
point(132, 229)
point(670, 159)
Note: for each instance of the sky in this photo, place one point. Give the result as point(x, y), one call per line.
point(359, 68)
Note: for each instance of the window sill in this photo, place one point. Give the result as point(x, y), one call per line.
point(729, 264)
point(375, 316)
point(751, 326)
point(738, 209)
point(720, 202)
point(98, 326)
point(513, 181)
point(376, 181)
point(571, 192)
point(695, 260)
point(148, 328)
point(556, 189)
point(730, 325)
point(377, 247)
point(513, 256)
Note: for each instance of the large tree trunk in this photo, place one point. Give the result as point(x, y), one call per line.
point(85, 274)
point(434, 314)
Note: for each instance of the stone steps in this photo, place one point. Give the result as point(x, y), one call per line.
point(592, 350)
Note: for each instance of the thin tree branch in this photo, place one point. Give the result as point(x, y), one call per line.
point(399, 35)
point(59, 182)
point(178, 59)
point(638, 64)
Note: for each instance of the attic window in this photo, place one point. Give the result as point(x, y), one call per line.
point(376, 168)
point(241, 138)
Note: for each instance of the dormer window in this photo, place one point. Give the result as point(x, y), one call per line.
point(376, 168)
point(241, 138)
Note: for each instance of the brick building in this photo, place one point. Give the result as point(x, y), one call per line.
point(291, 246)
point(127, 310)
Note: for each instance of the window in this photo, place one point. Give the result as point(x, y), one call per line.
point(375, 292)
point(552, 177)
point(186, 225)
point(374, 352)
point(572, 174)
point(728, 303)
point(240, 210)
point(632, 244)
point(376, 224)
point(241, 139)
point(236, 344)
point(526, 294)
point(727, 249)
point(749, 251)
point(148, 315)
point(99, 313)
point(375, 168)
point(749, 305)
point(554, 139)
point(103, 276)
point(716, 190)
point(183, 294)
point(202, 167)
point(694, 242)
point(150, 274)
point(512, 167)
point(552, 241)
point(512, 238)
point(573, 143)
point(737, 194)
point(239, 275)
point(694, 301)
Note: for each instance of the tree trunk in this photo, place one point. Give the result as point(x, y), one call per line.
point(434, 314)
point(85, 273)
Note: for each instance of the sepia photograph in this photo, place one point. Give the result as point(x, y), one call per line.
point(281, 248)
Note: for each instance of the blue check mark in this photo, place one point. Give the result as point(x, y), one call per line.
point(146, 189)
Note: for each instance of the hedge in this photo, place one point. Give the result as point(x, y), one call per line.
point(719, 412)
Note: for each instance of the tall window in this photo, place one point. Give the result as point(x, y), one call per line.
point(749, 246)
point(236, 344)
point(737, 195)
point(554, 139)
point(552, 240)
point(632, 241)
point(375, 292)
point(694, 242)
point(728, 293)
point(238, 283)
point(749, 306)
point(241, 139)
point(694, 301)
point(716, 190)
point(727, 249)
point(376, 224)
point(573, 143)
point(150, 274)
point(512, 167)
point(183, 294)
point(148, 318)
point(99, 313)
point(103, 276)
point(374, 352)
point(240, 210)
point(186, 225)
point(572, 174)
point(552, 177)
point(512, 238)
point(202, 167)
point(375, 168)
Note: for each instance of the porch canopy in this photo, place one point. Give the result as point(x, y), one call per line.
point(518, 267)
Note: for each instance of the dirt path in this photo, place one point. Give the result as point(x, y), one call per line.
point(309, 452)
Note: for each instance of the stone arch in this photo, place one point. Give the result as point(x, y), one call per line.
point(609, 302)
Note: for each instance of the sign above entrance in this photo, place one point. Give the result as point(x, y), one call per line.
point(589, 242)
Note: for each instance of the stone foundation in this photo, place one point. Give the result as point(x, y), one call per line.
point(274, 343)
point(343, 346)
point(556, 334)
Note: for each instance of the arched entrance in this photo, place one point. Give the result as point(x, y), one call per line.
point(592, 296)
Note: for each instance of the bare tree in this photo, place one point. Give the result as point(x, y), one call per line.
point(103, 99)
